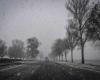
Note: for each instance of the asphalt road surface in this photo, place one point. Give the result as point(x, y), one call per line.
point(47, 71)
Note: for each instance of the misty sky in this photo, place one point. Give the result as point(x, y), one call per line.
point(44, 19)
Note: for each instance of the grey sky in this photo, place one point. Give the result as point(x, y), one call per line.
point(21, 19)
point(44, 19)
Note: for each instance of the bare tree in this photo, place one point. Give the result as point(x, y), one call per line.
point(3, 48)
point(79, 10)
point(72, 37)
point(60, 46)
point(57, 48)
point(66, 47)
point(94, 23)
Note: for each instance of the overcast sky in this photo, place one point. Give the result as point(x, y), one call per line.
point(44, 19)
point(22, 19)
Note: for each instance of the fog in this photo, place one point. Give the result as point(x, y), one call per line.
point(44, 19)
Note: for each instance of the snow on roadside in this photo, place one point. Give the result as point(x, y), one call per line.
point(11, 67)
point(89, 67)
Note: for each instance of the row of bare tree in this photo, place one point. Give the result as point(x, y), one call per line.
point(83, 26)
point(18, 50)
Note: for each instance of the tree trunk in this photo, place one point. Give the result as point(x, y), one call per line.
point(62, 57)
point(72, 55)
point(82, 43)
point(82, 48)
point(59, 57)
point(65, 56)
point(82, 52)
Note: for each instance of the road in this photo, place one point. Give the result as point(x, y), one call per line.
point(47, 71)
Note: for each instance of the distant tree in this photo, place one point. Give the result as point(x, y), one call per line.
point(66, 47)
point(3, 48)
point(72, 37)
point(59, 47)
point(32, 47)
point(53, 55)
point(79, 10)
point(41, 56)
point(17, 49)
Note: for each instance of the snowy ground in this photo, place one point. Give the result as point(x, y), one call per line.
point(95, 68)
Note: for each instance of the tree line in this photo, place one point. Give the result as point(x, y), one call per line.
point(17, 50)
point(84, 26)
